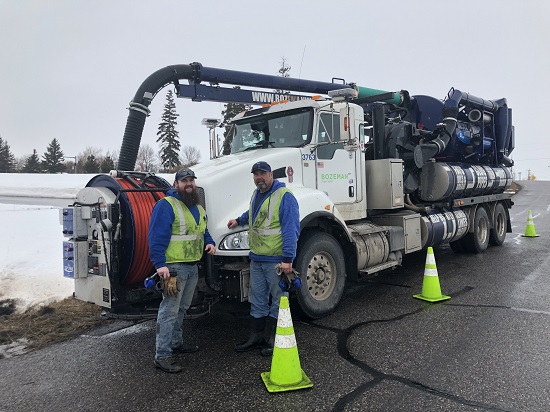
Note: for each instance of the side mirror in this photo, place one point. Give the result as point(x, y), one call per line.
point(347, 128)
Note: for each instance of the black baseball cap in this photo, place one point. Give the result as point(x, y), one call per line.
point(261, 166)
point(183, 173)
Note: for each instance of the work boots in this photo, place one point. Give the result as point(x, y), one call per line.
point(270, 330)
point(256, 338)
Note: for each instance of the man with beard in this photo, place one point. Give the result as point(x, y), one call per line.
point(274, 221)
point(177, 238)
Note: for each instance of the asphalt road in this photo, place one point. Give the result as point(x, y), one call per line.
point(485, 349)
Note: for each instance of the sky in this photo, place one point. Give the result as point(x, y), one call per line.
point(69, 68)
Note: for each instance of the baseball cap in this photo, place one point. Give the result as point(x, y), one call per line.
point(261, 166)
point(183, 173)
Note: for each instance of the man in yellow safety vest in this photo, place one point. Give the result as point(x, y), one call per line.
point(274, 221)
point(177, 239)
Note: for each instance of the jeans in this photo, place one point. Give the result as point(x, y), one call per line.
point(172, 310)
point(264, 283)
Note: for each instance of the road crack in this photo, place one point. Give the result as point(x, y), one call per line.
point(343, 336)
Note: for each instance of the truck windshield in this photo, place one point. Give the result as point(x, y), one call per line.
point(283, 129)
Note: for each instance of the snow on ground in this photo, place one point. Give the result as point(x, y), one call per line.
point(31, 239)
point(31, 266)
point(63, 186)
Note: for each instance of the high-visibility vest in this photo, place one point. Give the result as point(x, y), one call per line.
point(187, 240)
point(265, 236)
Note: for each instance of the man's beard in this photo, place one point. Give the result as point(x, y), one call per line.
point(190, 199)
point(262, 186)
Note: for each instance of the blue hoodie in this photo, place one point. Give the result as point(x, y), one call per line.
point(289, 216)
point(160, 229)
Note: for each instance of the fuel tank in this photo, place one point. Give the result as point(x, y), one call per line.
point(442, 227)
point(440, 181)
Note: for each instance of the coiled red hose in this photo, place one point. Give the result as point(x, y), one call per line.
point(141, 204)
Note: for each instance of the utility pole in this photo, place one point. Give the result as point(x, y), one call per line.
point(529, 174)
point(74, 165)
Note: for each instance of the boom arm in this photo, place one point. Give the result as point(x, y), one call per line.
point(196, 73)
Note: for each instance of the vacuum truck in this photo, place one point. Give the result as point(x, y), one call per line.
point(377, 175)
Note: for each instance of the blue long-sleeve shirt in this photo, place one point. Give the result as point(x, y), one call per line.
point(160, 229)
point(289, 216)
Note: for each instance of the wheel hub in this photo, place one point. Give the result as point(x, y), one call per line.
point(319, 277)
point(320, 274)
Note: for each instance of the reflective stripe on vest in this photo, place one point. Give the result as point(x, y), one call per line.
point(265, 236)
point(187, 240)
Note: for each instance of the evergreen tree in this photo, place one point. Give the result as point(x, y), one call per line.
point(53, 160)
point(107, 164)
point(231, 110)
point(82, 157)
point(7, 159)
point(168, 136)
point(32, 164)
point(91, 165)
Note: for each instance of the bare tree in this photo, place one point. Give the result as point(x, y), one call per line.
point(284, 71)
point(147, 159)
point(190, 156)
point(20, 163)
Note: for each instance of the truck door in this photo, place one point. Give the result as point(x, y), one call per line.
point(335, 167)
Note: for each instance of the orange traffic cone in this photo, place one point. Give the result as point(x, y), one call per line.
point(286, 373)
point(530, 227)
point(431, 291)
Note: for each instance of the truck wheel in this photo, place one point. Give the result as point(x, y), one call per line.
point(498, 232)
point(320, 262)
point(478, 241)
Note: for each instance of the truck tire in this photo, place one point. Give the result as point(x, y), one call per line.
point(320, 262)
point(498, 232)
point(478, 241)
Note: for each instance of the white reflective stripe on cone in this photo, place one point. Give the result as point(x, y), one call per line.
point(285, 341)
point(430, 259)
point(285, 319)
point(430, 272)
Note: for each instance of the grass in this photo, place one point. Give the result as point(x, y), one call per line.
point(39, 327)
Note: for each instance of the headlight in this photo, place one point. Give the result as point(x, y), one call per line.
point(235, 241)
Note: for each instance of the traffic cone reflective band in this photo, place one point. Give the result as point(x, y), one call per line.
point(286, 373)
point(530, 228)
point(431, 291)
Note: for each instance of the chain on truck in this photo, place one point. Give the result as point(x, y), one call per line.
point(377, 175)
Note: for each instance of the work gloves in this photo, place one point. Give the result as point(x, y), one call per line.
point(171, 286)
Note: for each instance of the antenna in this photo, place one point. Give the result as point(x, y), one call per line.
point(302, 62)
